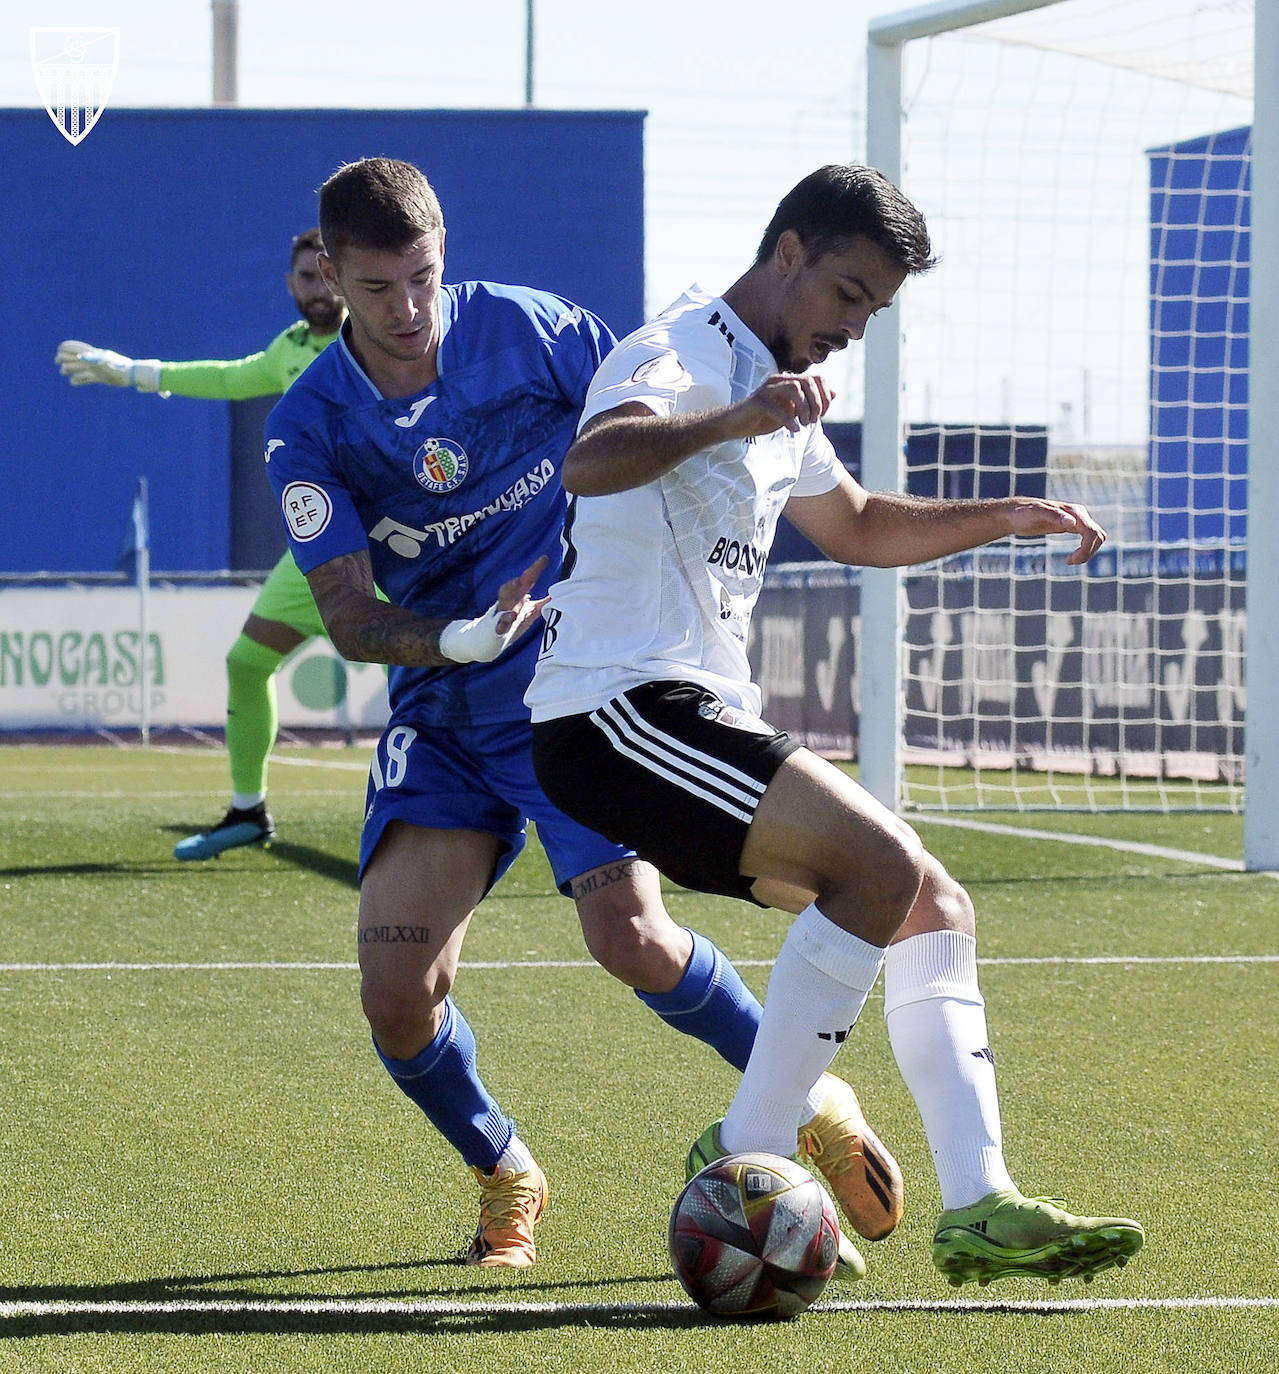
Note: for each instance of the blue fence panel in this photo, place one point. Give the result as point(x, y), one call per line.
point(165, 233)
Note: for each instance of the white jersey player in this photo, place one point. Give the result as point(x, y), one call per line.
point(699, 431)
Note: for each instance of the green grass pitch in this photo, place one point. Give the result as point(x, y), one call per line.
point(206, 1169)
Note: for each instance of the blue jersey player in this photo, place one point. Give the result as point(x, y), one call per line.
point(420, 454)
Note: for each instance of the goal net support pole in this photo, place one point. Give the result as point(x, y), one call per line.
point(880, 655)
point(1261, 716)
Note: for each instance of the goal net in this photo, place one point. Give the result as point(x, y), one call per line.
point(1084, 167)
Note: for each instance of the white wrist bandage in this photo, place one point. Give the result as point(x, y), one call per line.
point(475, 641)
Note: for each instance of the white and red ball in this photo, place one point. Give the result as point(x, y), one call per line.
point(754, 1235)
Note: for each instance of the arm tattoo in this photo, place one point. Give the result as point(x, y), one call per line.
point(364, 629)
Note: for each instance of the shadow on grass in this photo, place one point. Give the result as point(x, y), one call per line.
point(336, 867)
point(120, 869)
point(237, 1304)
point(317, 861)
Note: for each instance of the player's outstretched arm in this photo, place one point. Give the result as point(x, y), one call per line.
point(82, 365)
point(265, 373)
point(889, 530)
point(365, 629)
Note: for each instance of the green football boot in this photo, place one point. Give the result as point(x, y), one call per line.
point(1006, 1235)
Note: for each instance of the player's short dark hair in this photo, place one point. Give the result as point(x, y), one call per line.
point(840, 202)
point(308, 241)
point(378, 203)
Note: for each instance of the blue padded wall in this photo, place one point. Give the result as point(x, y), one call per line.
point(165, 233)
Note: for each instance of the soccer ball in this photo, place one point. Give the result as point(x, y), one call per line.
point(754, 1235)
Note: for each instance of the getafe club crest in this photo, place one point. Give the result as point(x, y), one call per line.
point(440, 465)
point(75, 71)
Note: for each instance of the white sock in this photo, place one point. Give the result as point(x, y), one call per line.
point(246, 801)
point(813, 1103)
point(816, 992)
point(937, 1026)
point(517, 1156)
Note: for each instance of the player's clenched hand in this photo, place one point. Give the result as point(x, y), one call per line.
point(83, 364)
point(481, 640)
point(785, 399)
point(1033, 517)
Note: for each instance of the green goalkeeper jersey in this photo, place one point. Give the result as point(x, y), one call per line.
point(268, 373)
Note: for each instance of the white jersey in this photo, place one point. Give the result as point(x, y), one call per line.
point(659, 582)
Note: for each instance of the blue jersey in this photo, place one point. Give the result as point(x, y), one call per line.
point(453, 490)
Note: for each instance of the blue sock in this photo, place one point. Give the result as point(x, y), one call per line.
point(711, 1003)
point(442, 1080)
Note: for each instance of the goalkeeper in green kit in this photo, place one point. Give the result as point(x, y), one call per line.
point(284, 614)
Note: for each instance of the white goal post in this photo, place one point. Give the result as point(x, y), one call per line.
point(1108, 282)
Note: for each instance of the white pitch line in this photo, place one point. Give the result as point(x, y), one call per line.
point(283, 760)
point(225, 966)
point(500, 965)
point(440, 1308)
point(1153, 851)
point(1134, 959)
point(1045, 1305)
point(340, 765)
point(336, 765)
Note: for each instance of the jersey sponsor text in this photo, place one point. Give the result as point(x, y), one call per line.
point(408, 542)
point(737, 557)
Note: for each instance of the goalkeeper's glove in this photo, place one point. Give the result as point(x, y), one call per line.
point(82, 364)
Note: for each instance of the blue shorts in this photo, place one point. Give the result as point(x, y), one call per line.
point(476, 778)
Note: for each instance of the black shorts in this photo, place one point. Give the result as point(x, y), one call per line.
point(668, 770)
